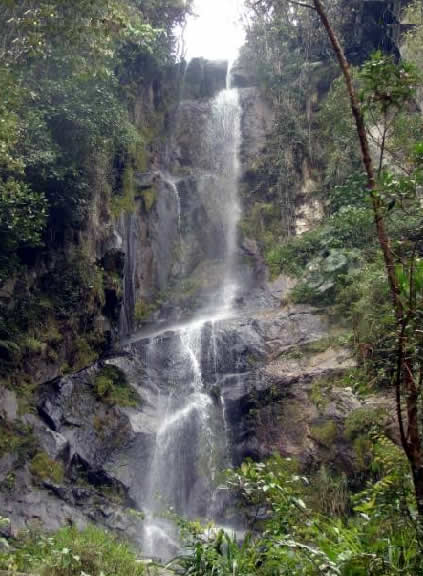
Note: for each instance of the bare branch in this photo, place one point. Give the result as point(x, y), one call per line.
point(303, 4)
point(296, 2)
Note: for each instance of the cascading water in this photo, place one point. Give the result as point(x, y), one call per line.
point(190, 440)
point(224, 140)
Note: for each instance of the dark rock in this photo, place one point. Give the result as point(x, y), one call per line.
point(113, 261)
point(204, 78)
point(8, 404)
point(54, 444)
point(146, 180)
point(243, 74)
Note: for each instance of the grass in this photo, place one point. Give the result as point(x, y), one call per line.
point(16, 439)
point(70, 552)
point(83, 354)
point(44, 468)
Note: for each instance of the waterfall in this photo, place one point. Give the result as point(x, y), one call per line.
point(191, 441)
point(227, 112)
point(223, 136)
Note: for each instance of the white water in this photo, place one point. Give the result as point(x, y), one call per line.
point(186, 453)
point(174, 187)
point(224, 141)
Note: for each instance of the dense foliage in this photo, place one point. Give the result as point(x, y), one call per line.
point(293, 530)
point(69, 76)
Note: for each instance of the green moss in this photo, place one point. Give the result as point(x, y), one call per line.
point(318, 346)
point(143, 310)
point(125, 201)
point(362, 420)
point(25, 395)
point(141, 157)
point(112, 387)
point(44, 468)
point(149, 196)
point(320, 392)
point(206, 275)
point(65, 368)
point(113, 493)
point(325, 433)
point(9, 440)
point(10, 481)
point(135, 513)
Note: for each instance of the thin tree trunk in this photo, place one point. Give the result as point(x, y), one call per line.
point(367, 161)
point(411, 441)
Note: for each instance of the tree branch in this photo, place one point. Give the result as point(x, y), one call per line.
point(296, 2)
point(383, 237)
point(303, 4)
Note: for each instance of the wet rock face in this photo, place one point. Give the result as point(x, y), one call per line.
point(204, 78)
point(257, 125)
point(267, 396)
point(375, 25)
point(258, 370)
point(81, 434)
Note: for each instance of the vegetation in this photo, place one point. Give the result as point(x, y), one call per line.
point(44, 468)
point(112, 387)
point(16, 439)
point(68, 78)
point(295, 531)
point(70, 552)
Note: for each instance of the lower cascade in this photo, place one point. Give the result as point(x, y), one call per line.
point(186, 453)
point(190, 438)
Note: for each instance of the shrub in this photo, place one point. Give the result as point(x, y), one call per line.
point(363, 420)
point(329, 493)
point(143, 310)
